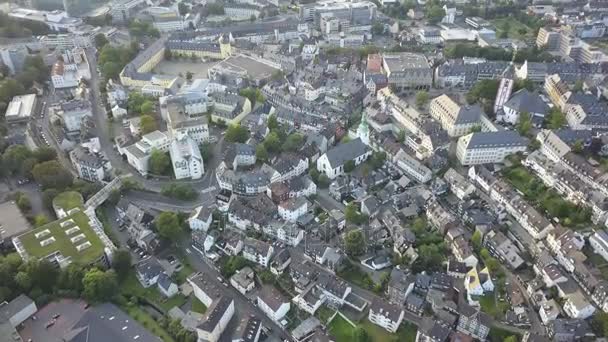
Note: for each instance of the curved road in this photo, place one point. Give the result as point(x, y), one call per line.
point(102, 129)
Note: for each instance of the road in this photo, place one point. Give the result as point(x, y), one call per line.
point(103, 131)
point(159, 202)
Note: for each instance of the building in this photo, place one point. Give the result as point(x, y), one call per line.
point(12, 222)
point(577, 306)
point(20, 108)
point(333, 161)
point(599, 243)
point(186, 158)
point(273, 304)
point(123, 10)
point(139, 153)
point(216, 320)
point(524, 101)
point(413, 167)
point(13, 314)
point(457, 120)
point(489, 147)
point(429, 35)
point(70, 69)
point(386, 315)
point(89, 165)
point(148, 271)
point(73, 112)
point(13, 58)
point(503, 249)
point(407, 70)
point(257, 251)
point(243, 280)
point(200, 218)
point(291, 209)
point(474, 323)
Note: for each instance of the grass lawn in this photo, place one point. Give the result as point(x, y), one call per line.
point(407, 332)
point(180, 277)
point(324, 313)
point(132, 287)
point(63, 243)
point(377, 333)
point(68, 200)
point(341, 330)
point(498, 334)
point(198, 306)
point(514, 27)
point(147, 321)
point(492, 307)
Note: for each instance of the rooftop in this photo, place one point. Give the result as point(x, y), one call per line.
point(12, 221)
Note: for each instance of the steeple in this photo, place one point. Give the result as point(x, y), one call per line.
point(363, 129)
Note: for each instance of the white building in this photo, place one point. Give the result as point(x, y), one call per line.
point(489, 147)
point(20, 108)
point(90, 166)
point(599, 243)
point(577, 306)
point(257, 251)
point(200, 218)
point(291, 209)
point(216, 320)
point(332, 162)
point(186, 158)
point(243, 280)
point(412, 167)
point(273, 304)
point(73, 67)
point(138, 154)
point(457, 120)
point(386, 315)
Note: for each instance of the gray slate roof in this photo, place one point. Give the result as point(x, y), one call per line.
point(342, 153)
point(525, 101)
point(496, 139)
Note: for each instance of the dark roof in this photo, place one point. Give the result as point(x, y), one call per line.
point(496, 139)
point(340, 154)
point(215, 314)
point(469, 114)
point(8, 310)
point(251, 329)
point(149, 268)
point(106, 322)
point(272, 297)
point(164, 281)
point(525, 101)
point(381, 307)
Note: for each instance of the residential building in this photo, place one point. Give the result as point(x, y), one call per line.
point(459, 185)
point(20, 108)
point(216, 320)
point(291, 209)
point(243, 280)
point(73, 112)
point(166, 286)
point(473, 322)
point(489, 147)
point(332, 162)
point(564, 329)
point(89, 165)
point(523, 101)
point(186, 158)
point(577, 306)
point(412, 167)
point(200, 218)
point(503, 249)
point(457, 120)
point(139, 153)
point(257, 251)
point(386, 315)
point(147, 271)
point(399, 286)
point(599, 243)
point(273, 304)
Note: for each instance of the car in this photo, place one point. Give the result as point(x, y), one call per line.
point(171, 259)
point(219, 279)
point(87, 305)
point(55, 316)
point(142, 253)
point(49, 324)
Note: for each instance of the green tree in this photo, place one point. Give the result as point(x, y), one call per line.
point(578, 146)
point(147, 107)
point(323, 182)
point(273, 124)
point(182, 8)
point(23, 280)
point(51, 174)
point(99, 286)
point(40, 220)
point(599, 322)
point(168, 226)
point(353, 215)
point(14, 156)
point(237, 133)
point(121, 263)
point(159, 162)
point(23, 203)
point(100, 41)
point(189, 75)
point(476, 240)
point(293, 142)
point(511, 338)
point(422, 97)
point(349, 166)
point(377, 28)
point(43, 154)
point(434, 14)
point(524, 123)
point(147, 124)
point(206, 152)
point(260, 153)
point(377, 160)
point(179, 191)
point(272, 142)
point(555, 119)
point(354, 243)
point(361, 335)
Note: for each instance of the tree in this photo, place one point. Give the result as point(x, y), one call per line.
point(14, 156)
point(147, 124)
point(237, 133)
point(121, 263)
point(99, 286)
point(40, 220)
point(179, 191)
point(159, 162)
point(261, 153)
point(23, 280)
point(361, 335)
point(293, 142)
point(555, 119)
point(273, 124)
point(599, 322)
point(422, 97)
point(352, 214)
point(51, 174)
point(323, 182)
point(147, 107)
point(272, 142)
point(578, 146)
point(43, 154)
point(23, 203)
point(511, 338)
point(524, 123)
point(349, 166)
point(182, 8)
point(167, 225)
point(206, 152)
point(476, 240)
point(100, 41)
point(483, 89)
point(434, 14)
point(354, 243)
point(377, 28)
point(377, 160)
point(71, 278)
point(189, 75)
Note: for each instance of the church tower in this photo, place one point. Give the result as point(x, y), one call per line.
point(363, 130)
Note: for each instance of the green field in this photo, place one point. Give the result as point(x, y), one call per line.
point(68, 200)
point(341, 330)
point(131, 287)
point(147, 321)
point(62, 241)
point(198, 306)
point(513, 27)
